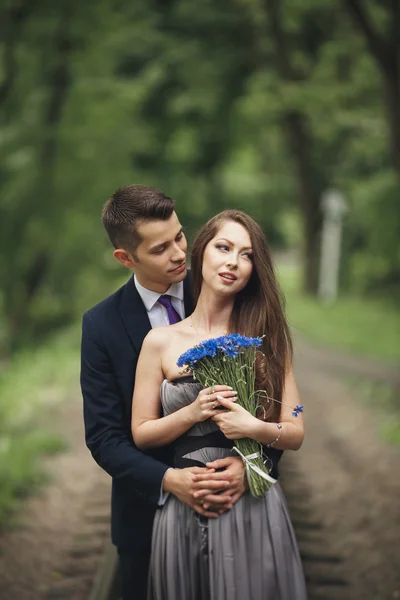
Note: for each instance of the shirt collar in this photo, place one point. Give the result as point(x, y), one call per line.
point(149, 297)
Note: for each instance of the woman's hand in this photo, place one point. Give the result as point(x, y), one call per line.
point(206, 402)
point(236, 423)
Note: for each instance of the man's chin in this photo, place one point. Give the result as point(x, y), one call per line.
point(179, 276)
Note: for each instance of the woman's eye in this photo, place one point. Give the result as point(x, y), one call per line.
point(248, 255)
point(222, 247)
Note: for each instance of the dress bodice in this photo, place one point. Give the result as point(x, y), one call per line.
point(204, 442)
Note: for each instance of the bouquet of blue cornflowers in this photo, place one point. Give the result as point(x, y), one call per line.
point(230, 360)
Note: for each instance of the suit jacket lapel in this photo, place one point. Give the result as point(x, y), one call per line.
point(134, 315)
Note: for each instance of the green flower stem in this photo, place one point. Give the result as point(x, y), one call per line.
point(239, 373)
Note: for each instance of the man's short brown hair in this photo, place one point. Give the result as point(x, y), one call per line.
point(130, 205)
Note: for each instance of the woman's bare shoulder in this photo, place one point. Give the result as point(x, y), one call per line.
point(160, 337)
point(156, 338)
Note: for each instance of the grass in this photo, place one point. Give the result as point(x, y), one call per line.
point(30, 385)
point(363, 326)
point(383, 399)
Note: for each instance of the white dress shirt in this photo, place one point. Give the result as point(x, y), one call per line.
point(158, 316)
point(157, 313)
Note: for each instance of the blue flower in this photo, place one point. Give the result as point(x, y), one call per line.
point(202, 350)
point(231, 351)
point(297, 409)
point(242, 341)
point(229, 345)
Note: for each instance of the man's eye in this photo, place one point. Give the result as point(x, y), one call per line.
point(159, 251)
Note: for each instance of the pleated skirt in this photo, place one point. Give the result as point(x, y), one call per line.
point(248, 553)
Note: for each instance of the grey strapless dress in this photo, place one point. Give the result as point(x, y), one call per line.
point(248, 553)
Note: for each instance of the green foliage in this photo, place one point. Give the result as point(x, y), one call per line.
point(20, 472)
point(383, 399)
point(188, 97)
point(31, 388)
point(362, 325)
point(373, 240)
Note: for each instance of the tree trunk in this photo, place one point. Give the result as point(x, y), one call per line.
point(386, 52)
point(24, 291)
point(12, 19)
point(300, 141)
point(391, 81)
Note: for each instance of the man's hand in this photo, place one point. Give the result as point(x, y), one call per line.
point(233, 474)
point(182, 483)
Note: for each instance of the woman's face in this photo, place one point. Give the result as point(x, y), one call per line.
point(228, 259)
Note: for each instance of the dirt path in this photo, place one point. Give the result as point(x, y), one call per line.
point(350, 482)
point(58, 544)
point(342, 490)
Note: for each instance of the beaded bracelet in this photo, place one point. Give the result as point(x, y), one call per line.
point(280, 427)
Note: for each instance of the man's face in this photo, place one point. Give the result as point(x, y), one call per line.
point(160, 259)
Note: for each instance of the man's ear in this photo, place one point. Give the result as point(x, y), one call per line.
point(124, 257)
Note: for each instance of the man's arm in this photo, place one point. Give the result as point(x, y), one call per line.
point(107, 428)
point(109, 439)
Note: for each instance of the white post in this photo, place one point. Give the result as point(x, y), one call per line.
point(334, 207)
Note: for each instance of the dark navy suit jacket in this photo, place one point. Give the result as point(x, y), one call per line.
point(112, 336)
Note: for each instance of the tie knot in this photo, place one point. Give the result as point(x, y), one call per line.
point(173, 315)
point(165, 300)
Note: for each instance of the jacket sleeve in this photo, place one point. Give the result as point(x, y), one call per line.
point(107, 432)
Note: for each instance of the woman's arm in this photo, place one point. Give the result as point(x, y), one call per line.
point(149, 429)
point(239, 423)
point(292, 433)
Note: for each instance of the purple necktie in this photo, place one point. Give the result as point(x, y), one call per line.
point(173, 315)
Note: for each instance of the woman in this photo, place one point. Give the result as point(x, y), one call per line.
point(249, 552)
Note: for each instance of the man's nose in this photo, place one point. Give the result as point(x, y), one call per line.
point(178, 254)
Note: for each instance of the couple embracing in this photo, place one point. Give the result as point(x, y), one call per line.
point(184, 524)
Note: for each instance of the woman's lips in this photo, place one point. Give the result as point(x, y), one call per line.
point(228, 277)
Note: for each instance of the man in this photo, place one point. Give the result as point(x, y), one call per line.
point(148, 239)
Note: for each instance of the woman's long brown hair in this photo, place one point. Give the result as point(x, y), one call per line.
point(258, 309)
